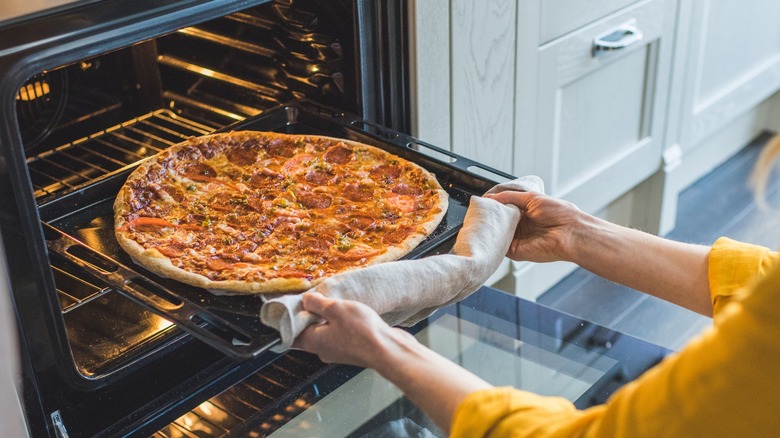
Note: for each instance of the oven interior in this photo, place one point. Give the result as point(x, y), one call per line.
point(296, 66)
point(89, 122)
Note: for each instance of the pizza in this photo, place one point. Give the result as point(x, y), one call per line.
point(249, 212)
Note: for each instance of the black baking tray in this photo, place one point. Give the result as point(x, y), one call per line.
point(79, 229)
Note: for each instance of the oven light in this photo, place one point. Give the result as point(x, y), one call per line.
point(32, 91)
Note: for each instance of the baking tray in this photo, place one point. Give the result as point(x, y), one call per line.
point(79, 229)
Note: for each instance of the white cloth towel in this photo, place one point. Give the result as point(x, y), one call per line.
point(407, 291)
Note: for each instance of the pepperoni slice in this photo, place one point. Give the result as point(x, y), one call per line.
point(407, 190)
point(172, 191)
point(244, 154)
point(263, 180)
point(198, 171)
point(210, 148)
point(362, 222)
point(174, 249)
point(318, 177)
point(404, 204)
point(313, 200)
point(218, 264)
point(338, 155)
point(358, 192)
point(281, 148)
point(397, 235)
point(386, 173)
point(313, 244)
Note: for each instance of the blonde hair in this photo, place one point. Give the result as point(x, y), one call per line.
point(763, 170)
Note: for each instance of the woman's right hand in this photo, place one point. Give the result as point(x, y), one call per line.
point(547, 229)
point(551, 229)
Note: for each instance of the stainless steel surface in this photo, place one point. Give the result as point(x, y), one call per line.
point(619, 38)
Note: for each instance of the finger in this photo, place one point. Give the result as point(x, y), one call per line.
point(520, 199)
point(308, 338)
point(313, 302)
point(323, 306)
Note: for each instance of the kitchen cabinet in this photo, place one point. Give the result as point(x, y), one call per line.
point(727, 72)
point(590, 123)
point(526, 94)
point(515, 84)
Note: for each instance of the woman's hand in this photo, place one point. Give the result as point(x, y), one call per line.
point(552, 229)
point(547, 228)
point(350, 333)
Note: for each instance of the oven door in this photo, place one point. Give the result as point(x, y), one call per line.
point(505, 340)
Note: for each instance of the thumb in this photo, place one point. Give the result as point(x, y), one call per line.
point(315, 302)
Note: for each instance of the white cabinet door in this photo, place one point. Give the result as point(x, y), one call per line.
point(591, 125)
point(727, 65)
point(733, 62)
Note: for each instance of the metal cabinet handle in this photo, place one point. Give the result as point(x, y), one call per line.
point(616, 39)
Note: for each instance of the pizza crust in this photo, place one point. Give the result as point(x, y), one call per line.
point(156, 262)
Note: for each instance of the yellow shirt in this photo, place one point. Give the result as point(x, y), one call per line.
point(725, 383)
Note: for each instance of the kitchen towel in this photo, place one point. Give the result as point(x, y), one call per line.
point(406, 291)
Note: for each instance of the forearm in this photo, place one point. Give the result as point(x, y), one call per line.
point(673, 271)
point(433, 383)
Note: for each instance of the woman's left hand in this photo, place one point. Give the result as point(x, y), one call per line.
point(350, 333)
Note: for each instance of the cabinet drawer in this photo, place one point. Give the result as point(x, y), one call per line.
point(573, 55)
point(599, 112)
point(559, 17)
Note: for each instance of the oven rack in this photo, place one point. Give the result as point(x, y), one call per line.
point(86, 160)
point(260, 403)
point(106, 330)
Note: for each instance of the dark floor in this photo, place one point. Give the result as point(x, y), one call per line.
point(719, 204)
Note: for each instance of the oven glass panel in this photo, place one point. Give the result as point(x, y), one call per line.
point(503, 339)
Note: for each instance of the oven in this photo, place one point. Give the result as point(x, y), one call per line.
point(91, 88)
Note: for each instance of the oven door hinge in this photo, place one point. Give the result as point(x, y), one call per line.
point(59, 425)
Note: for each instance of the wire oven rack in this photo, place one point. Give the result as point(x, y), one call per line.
point(86, 160)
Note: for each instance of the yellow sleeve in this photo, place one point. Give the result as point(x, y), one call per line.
point(726, 383)
point(506, 411)
point(733, 265)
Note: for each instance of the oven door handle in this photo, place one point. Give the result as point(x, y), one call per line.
point(219, 333)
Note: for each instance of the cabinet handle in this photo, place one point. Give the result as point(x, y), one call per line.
point(616, 39)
